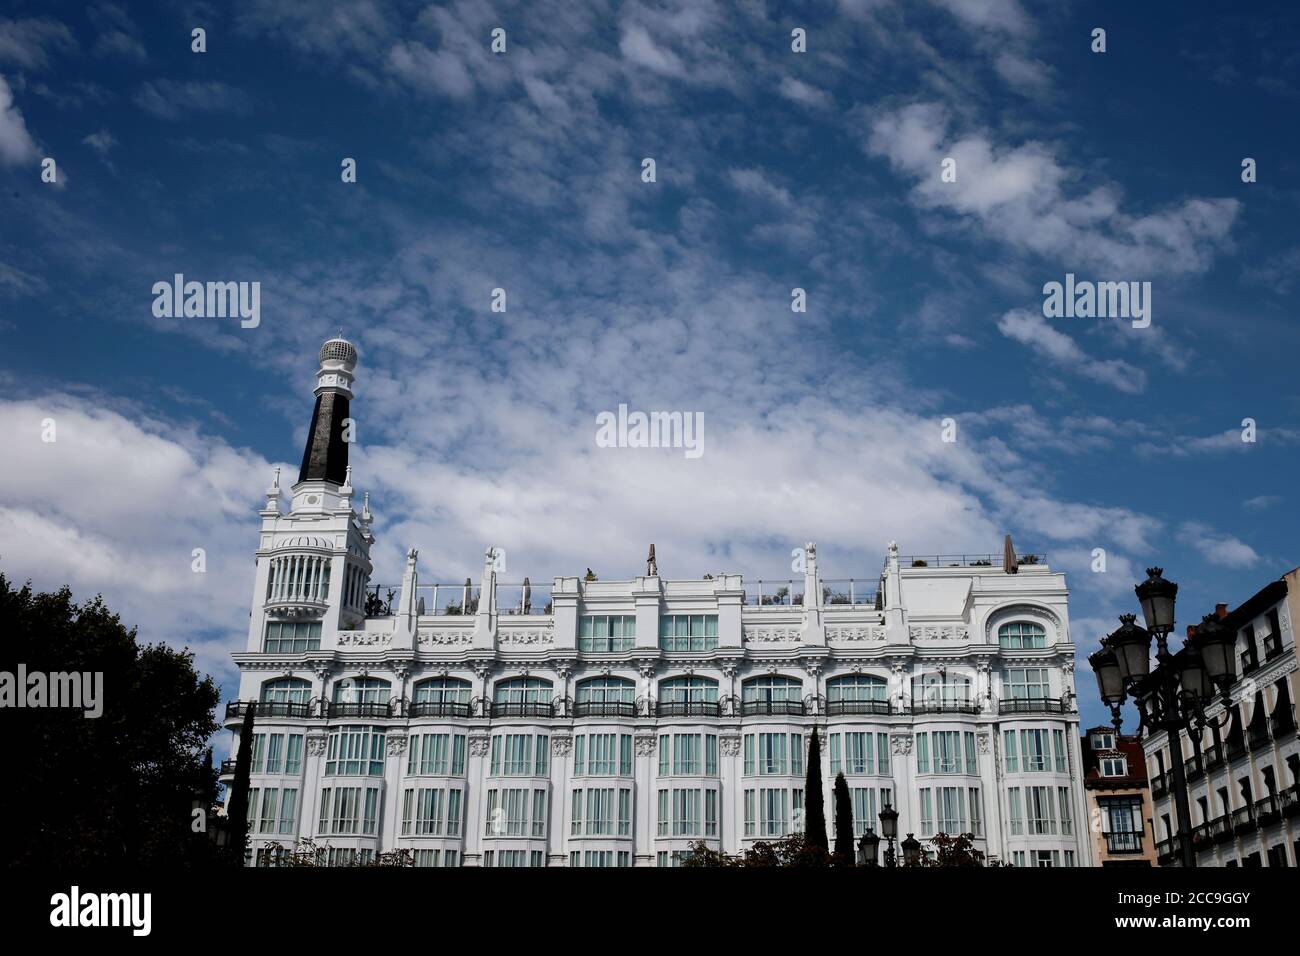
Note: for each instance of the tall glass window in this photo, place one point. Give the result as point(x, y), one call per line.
point(1025, 683)
point(441, 690)
point(286, 690)
point(292, 637)
point(606, 632)
point(688, 632)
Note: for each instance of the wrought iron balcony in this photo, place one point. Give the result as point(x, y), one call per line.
point(1213, 758)
point(1168, 851)
point(1268, 811)
point(1221, 829)
point(1121, 842)
point(227, 768)
point(688, 708)
point(604, 708)
point(788, 708)
point(1243, 820)
point(522, 709)
point(836, 708)
point(339, 708)
point(439, 708)
point(1289, 801)
point(944, 707)
point(1031, 705)
point(268, 708)
point(1193, 769)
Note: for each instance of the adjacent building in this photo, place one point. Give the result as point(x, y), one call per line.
point(1119, 806)
point(1243, 767)
point(584, 722)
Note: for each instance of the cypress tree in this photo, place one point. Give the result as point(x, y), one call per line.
point(843, 820)
point(814, 810)
point(237, 809)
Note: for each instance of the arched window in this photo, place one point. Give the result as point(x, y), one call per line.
point(606, 697)
point(522, 690)
point(772, 695)
point(857, 694)
point(600, 690)
point(688, 690)
point(857, 687)
point(362, 690)
point(441, 690)
point(286, 690)
point(1019, 635)
point(941, 691)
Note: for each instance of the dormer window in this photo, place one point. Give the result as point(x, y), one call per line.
point(1103, 741)
point(1114, 767)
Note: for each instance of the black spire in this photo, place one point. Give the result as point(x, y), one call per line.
point(325, 458)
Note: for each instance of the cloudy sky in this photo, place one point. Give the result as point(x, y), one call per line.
point(775, 170)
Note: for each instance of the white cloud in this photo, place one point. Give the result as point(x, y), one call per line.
point(16, 146)
point(1220, 549)
point(117, 504)
point(800, 92)
point(1031, 329)
point(33, 43)
point(1023, 196)
point(173, 99)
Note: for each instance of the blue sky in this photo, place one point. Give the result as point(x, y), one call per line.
point(775, 170)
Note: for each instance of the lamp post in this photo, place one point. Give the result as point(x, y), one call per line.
point(889, 830)
point(911, 851)
point(1173, 698)
point(869, 849)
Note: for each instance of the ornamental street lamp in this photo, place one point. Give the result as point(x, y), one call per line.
point(1174, 696)
point(869, 849)
point(889, 830)
point(911, 851)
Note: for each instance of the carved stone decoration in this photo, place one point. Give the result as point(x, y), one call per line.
point(645, 746)
point(364, 638)
point(479, 746)
point(444, 638)
point(938, 632)
point(401, 670)
point(317, 744)
point(855, 632)
point(813, 667)
point(766, 635)
point(562, 669)
point(561, 746)
point(541, 636)
point(646, 669)
point(902, 744)
point(729, 668)
point(730, 746)
point(983, 741)
point(396, 745)
point(482, 669)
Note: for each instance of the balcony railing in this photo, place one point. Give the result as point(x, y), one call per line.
point(1193, 769)
point(1031, 705)
point(1267, 811)
point(1120, 842)
point(1159, 785)
point(1289, 801)
point(786, 708)
point(340, 708)
point(227, 767)
point(604, 708)
point(1167, 851)
point(1220, 829)
point(522, 709)
point(944, 707)
point(1213, 758)
point(439, 708)
point(268, 708)
point(1243, 820)
point(688, 708)
point(964, 560)
point(837, 708)
point(1234, 747)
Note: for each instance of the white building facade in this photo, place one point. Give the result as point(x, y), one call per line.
point(614, 723)
point(1243, 768)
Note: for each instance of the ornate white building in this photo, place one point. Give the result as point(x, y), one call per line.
point(614, 723)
